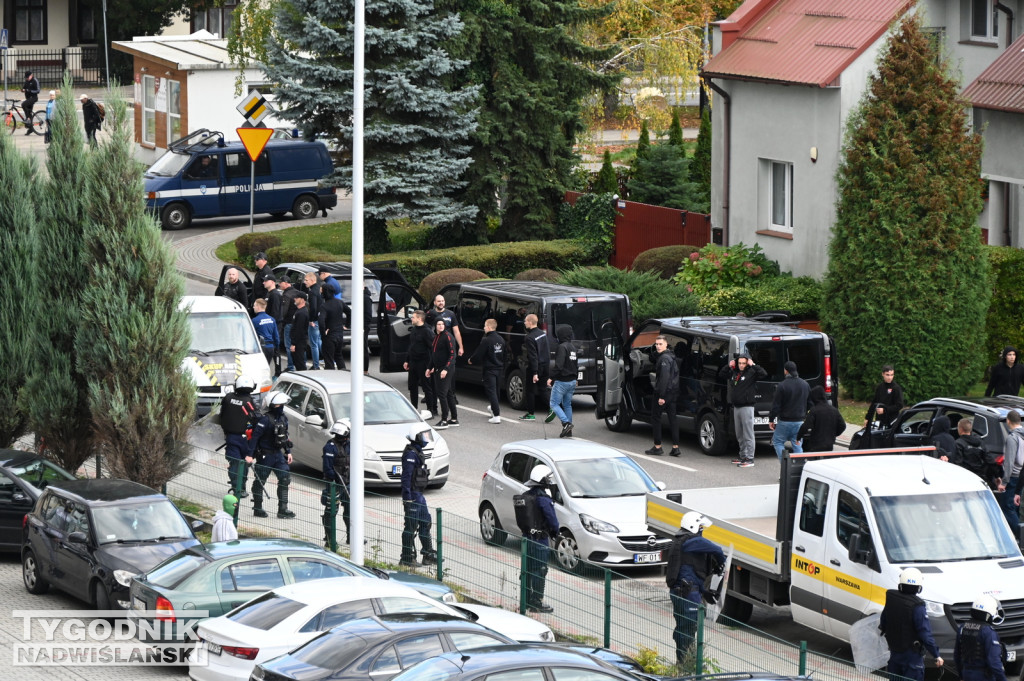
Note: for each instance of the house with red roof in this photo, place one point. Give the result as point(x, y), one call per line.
point(785, 76)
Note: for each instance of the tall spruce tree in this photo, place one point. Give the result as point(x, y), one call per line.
point(675, 130)
point(131, 336)
point(534, 76)
point(907, 277)
point(662, 179)
point(55, 395)
point(18, 177)
point(700, 167)
point(606, 182)
point(416, 125)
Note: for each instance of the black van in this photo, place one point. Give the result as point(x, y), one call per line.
point(596, 317)
point(702, 346)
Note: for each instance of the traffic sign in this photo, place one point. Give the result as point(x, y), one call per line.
point(3, 39)
point(254, 107)
point(254, 140)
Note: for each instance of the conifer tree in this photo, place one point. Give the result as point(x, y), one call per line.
point(661, 179)
point(700, 167)
point(18, 303)
point(607, 182)
point(131, 336)
point(643, 144)
point(675, 130)
point(416, 125)
point(907, 277)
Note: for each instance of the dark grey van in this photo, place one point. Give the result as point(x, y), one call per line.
point(702, 346)
point(596, 317)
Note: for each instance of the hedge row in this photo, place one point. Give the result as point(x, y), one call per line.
point(801, 297)
point(1005, 321)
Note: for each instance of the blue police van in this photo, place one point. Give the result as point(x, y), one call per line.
point(202, 176)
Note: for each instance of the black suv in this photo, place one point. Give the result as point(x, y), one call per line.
point(911, 427)
point(88, 538)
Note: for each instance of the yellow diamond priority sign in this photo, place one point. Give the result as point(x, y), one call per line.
point(254, 107)
point(254, 140)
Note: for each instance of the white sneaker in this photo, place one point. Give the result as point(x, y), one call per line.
point(494, 419)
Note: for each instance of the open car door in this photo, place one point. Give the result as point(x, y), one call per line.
point(393, 328)
point(611, 371)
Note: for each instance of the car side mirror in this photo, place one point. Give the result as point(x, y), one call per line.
point(314, 420)
point(77, 538)
point(660, 485)
point(19, 497)
point(860, 549)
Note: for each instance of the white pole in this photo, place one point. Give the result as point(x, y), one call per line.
point(106, 44)
point(252, 191)
point(356, 358)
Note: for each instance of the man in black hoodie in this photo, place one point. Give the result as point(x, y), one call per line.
point(537, 359)
point(971, 454)
point(490, 355)
point(1005, 378)
point(888, 399)
point(563, 379)
point(742, 376)
point(666, 391)
point(421, 338)
point(823, 424)
point(790, 408)
point(939, 437)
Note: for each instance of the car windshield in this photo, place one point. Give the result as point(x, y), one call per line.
point(346, 286)
point(152, 521)
point(943, 527)
point(330, 650)
point(39, 473)
point(434, 669)
point(176, 569)
point(169, 165)
point(597, 478)
point(265, 612)
point(223, 332)
point(379, 406)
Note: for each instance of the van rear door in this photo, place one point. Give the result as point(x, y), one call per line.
point(593, 319)
point(394, 327)
point(772, 353)
point(611, 374)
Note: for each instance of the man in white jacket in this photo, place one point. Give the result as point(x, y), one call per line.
point(224, 520)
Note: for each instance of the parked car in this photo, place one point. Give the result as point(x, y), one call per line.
point(596, 317)
point(23, 476)
point(599, 497)
point(377, 648)
point(88, 538)
point(318, 399)
point(911, 427)
point(280, 620)
point(702, 347)
point(215, 578)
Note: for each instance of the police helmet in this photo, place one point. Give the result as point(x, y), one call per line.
point(540, 474)
point(276, 398)
point(419, 432)
point(244, 384)
point(341, 428)
point(911, 581)
point(987, 606)
point(230, 503)
point(693, 522)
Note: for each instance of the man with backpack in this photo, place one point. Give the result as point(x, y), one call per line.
point(666, 392)
point(536, 518)
point(691, 560)
point(91, 117)
point(971, 454)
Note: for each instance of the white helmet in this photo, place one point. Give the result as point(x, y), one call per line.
point(693, 522)
point(419, 432)
point(276, 398)
point(912, 579)
point(341, 428)
point(988, 605)
point(540, 473)
point(244, 384)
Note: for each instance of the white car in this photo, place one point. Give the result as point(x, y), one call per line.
point(319, 398)
point(279, 621)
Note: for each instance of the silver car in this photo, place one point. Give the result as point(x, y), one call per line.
point(600, 497)
point(319, 398)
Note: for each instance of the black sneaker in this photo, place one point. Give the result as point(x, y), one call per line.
point(441, 425)
point(413, 563)
point(540, 607)
point(454, 423)
point(286, 514)
point(566, 430)
point(259, 513)
point(675, 452)
point(654, 451)
point(737, 462)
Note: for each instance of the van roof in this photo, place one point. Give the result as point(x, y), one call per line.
point(210, 304)
point(535, 289)
point(736, 326)
point(895, 474)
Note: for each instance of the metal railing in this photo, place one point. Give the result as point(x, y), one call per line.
point(85, 63)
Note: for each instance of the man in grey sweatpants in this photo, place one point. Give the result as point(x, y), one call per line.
point(742, 376)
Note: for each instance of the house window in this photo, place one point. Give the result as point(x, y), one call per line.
point(216, 20)
point(149, 109)
point(30, 21)
point(782, 195)
point(86, 24)
point(984, 20)
point(173, 111)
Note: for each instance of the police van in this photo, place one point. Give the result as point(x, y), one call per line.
point(224, 346)
point(202, 176)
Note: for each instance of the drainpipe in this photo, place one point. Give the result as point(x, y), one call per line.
point(1009, 21)
point(726, 153)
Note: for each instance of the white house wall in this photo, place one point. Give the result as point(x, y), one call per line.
point(212, 101)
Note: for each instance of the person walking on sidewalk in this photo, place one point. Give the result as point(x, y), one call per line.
point(536, 518)
point(563, 380)
point(441, 369)
point(666, 392)
point(421, 341)
point(91, 119)
point(742, 376)
point(415, 476)
point(536, 360)
point(490, 355)
point(790, 408)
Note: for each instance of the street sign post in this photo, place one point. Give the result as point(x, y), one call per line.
point(3, 46)
point(254, 108)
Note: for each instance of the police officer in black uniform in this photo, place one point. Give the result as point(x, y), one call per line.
point(336, 467)
point(691, 559)
point(979, 654)
point(415, 476)
point(271, 450)
point(904, 623)
point(238, 414)
point(535, 516)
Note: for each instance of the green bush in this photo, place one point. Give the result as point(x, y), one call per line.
point(537, 274)
point(801, 297)
point(433, 283)
point(1005, 321)
point(248, 245)
point(591, 223)
point(649, 294)
point(280, 254)
point(664, 260)
point(715, 267)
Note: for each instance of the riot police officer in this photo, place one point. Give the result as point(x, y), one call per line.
point(415, 476)
point(979, 654)
point(271, 450)
point(336, 466)
point(535, 516)
point(691, 559)
point(237, 415)
point(904, 623)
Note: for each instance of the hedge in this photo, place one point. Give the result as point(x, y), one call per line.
point(247, 245)
point(801, 297)
point(1005, 320)
point(435, 281)
point(665, 260)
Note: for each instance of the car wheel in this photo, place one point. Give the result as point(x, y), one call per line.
point(176, 216)
point(621, 420)
point(34, 581)
point(490, 526)
point(737, 610)
point(515, 389)
point(710, 435)
point(305, 207)
point(567, 553)
point(100, 598)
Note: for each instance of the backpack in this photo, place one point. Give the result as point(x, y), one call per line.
point(528, 516)
point(675, 560)
point(103, 112)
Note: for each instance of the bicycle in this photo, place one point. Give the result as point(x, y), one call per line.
point(15, 114)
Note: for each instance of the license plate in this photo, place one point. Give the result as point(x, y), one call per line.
point(761, 421)
point(396, 470)
point(1011, 655)
point(579, 376)
point(137, 603)
point(212, 648)
point(647, 557)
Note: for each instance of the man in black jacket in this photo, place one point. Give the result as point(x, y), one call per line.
point(1005, 378)
point(300, 334)
point(887, 401)
point(421, 338)
point(537, 359)
point(313, 301)
point(31, 90)
point(742, 376)
point(332, 326)
point(235, 289)
point(490, 354)
point(822, 425)
point(790, 408)
point(289, 293)
point(563, 379)
point(666, 391)
point(263, 272)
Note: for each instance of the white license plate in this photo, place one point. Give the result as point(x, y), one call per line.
point(137, 603)
point(1011, 655)
point(647, 557)
point(761, 421)
point(579, 377)
point(396, 470)
point(212, 648)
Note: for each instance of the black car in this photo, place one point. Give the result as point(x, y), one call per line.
point(88, 538)
point(911, 427)
point(377, 648)
point(23, 476)
point(519, 662)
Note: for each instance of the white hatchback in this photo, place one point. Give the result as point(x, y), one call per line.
point(279, 621)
